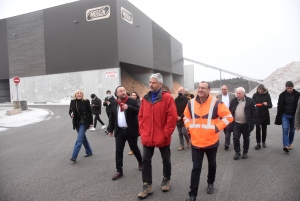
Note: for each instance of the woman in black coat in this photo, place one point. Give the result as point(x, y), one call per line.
point(263, 102)
point(81, 113)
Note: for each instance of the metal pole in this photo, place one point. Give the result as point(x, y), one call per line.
point(17, 92)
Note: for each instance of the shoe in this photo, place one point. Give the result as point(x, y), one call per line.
point(226, 147)
point(290, 147)
point(117, 175)
point(286, 149)
point(93, 129)
point(165, 185)
point(181, 148)
point(140, 166)
point(210, 188)
point(264, 145)
point(192, 198)
point(244, 156)
point(104, 126)
point(188, 144)
point(257, 146)
point(237, 156)
point(147, 190)
point(87, 155)
point(73, 159)
point(106, 132)
point(130, 153)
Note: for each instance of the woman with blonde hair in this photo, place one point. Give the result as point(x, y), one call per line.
point(81, 113)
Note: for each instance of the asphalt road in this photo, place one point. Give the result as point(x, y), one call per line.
point(35, 165)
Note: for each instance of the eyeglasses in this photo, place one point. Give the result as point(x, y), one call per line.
point(202, 88)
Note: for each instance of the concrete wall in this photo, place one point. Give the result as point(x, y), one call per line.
point(177, 56)
point(188, 76)
point(55, 87)
point(4, 69)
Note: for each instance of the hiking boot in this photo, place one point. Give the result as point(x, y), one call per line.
point(257, 146)
point(290, 147)
point(147, 190)
point(165, 185)
point(264, 145)
point(237, 156)
point(181, 148)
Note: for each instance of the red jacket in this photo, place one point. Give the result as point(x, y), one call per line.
point(157, 120)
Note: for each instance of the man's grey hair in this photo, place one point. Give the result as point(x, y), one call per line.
point(158, 77)
point(241, 88)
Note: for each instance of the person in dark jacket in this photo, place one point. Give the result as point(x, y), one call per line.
point(181, 102)
point(96, 109)
point(124, 123)
point(245, 114)
point(81, 113)
point(286, 109)
point(263, 103)
point(136, 97)
point(107, 101)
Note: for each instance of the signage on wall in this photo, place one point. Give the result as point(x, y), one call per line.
point(98, 13)
point(111, 74)
point(126, 15)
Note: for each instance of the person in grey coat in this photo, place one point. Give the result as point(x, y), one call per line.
point(226, 97)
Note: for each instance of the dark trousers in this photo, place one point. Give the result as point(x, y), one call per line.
point(147, 164)
point(108, 113)
point(238, 130)
point(120, 138)
point(97, 118)
point(197, 157)
point(227, 135)
point(261, 137)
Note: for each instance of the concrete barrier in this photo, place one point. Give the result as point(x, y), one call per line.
point(12, 112)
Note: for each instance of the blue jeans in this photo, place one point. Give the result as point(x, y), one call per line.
point(81, 139)
point(288, 130)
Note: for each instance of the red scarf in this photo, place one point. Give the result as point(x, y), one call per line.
point(121, 103)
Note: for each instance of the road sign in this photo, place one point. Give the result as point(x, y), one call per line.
point(16, 80)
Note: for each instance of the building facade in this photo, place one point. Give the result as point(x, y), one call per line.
point(83, 45)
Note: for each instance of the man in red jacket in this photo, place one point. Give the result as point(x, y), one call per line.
point(157, 121)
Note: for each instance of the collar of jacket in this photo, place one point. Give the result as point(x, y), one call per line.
point(158, 97)
point(198, 99)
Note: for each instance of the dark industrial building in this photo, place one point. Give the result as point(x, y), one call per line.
point(83, 36)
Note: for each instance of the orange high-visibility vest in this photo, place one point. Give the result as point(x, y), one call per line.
point(201, 120)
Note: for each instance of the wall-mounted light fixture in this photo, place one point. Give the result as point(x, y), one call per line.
point(137, 25)
point(14, 34)
point(75, 21)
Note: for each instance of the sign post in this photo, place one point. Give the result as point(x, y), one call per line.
point(17, 81)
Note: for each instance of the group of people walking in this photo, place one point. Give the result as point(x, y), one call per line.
point(198, 120)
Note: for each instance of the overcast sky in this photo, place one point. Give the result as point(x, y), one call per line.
point(248, 37)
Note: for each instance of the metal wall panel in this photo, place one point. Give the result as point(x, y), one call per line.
point(135, 40)
point(177, 57)
point(4, 91)
point(86, 45)
point(26, 49)
point(4, 69)
point(161, 48)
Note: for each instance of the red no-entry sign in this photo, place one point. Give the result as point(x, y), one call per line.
point(17, 80)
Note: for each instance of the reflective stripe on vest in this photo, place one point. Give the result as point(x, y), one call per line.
point(205, 126)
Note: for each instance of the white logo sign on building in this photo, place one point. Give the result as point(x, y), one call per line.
point(98, 13)
point(111, 74)
point(126, 15)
